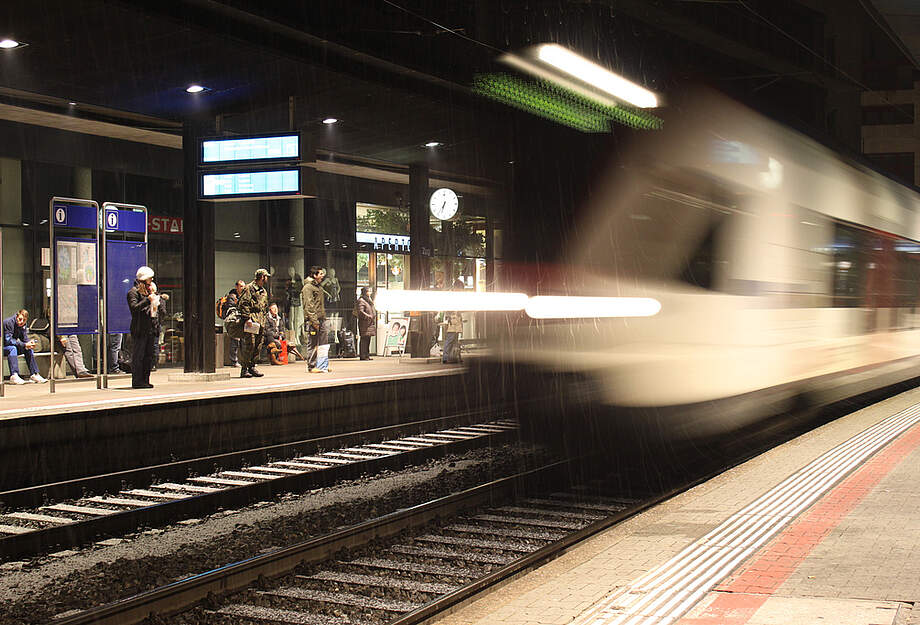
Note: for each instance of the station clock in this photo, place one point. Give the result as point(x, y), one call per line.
point(444, 203)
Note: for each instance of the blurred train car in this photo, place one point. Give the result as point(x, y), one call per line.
point(787, 275)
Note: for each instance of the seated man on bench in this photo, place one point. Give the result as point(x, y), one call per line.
point(16, 341)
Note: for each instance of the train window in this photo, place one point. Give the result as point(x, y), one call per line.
point(850, 265)
point(670, 232)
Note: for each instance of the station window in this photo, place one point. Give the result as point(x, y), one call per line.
point(885, 115)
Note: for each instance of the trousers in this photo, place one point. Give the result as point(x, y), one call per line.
point(142, 359)
point(73, 354)
point(11, 352)
point(364, 347)
point(250, 345)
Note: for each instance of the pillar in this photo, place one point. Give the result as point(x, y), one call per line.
point(198, 258)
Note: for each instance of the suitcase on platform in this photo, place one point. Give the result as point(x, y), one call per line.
point(347, 347)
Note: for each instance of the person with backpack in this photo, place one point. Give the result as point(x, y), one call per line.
point(224, 305)
point(314, 312)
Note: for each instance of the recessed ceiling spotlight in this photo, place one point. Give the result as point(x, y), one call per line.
point(72, 103)
point(236, 235)
point(330, 120)
point(433, 144)
point(9, 44)
point(195, 89)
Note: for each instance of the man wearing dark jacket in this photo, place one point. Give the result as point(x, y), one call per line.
point(314, 312)
point(16, 341)
point(253, 306)
point(144, 304)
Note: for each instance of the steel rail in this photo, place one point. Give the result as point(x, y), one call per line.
point(163, 513)
point(183, 594)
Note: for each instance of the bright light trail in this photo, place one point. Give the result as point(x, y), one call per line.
point(9, 44)
point(449, 300)
point(574, 307)
point(540, 307)
point(595, 75)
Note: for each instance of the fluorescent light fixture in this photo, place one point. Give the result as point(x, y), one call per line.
point(392, 300)
point(596, 76)
point(433, 144)
point(72, 103)
point(195, 89)
point(9, 44)
point(330, 120)
point(575, 307)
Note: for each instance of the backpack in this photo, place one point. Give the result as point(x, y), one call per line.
point(222, 307)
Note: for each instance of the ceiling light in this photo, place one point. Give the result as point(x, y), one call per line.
point(236, 235)
point(330, 120)
point(433, 144)
point(195, 89)
point(9, 44)
point(596, 76)
point(72, 103)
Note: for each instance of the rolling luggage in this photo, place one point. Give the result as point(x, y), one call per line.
point(347, 347)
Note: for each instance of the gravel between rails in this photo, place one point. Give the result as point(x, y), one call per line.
point(36, 591)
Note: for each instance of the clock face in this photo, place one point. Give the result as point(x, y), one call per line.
point(443, 203)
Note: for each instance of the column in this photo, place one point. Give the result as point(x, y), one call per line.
point(198, 257)
point(420, 254)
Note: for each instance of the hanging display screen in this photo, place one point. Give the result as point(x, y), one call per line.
point(255, 184)
point(262, 148)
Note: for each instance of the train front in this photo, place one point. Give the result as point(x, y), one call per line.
point(661, 319)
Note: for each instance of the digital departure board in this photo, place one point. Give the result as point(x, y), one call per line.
point(240, 149)
point(254, 184)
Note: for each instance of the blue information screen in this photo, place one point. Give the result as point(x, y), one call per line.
point(251, 183)
point(250, 149)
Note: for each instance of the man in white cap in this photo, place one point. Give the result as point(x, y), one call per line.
point(143, 302)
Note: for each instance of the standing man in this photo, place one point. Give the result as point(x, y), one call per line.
point(16, 341)
point(367, 322)
point(73, 354)
point(144, 304)
point(314, 312)
point(453, 326)
point(253, 306)
point(233, 301)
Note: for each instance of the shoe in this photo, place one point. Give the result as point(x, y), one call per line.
point(328, 370)
point(255, 373)
point(38, 379)
point(116, 371)
point(84, 374)
point(15, 379)
point(234, 364)
point(142, 386)
point(148, 385)
point(244, 373)
point(315, 370)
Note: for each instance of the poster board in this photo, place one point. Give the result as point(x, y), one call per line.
point(76, 309)
point(122, 260)
point(397, 334)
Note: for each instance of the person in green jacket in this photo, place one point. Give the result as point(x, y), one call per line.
point(253, 306)
point(314, 312)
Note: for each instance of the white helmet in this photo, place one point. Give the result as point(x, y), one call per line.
point(144, 272)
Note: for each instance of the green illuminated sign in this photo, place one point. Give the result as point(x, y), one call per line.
point(561, 105)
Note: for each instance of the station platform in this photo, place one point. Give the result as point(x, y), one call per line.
point(81, 430)
point(74, 395)
point(823, 529)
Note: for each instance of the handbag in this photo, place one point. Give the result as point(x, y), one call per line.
point(252, 327)
point(233, 324)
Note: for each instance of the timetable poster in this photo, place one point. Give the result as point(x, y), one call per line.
point(67, 305)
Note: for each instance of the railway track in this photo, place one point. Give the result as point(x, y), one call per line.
point(400, 568)
point(296, 467)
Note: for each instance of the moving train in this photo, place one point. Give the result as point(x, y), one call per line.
point(786, 274)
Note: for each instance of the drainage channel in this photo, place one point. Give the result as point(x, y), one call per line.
point(400, 568)
point(28, 532)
